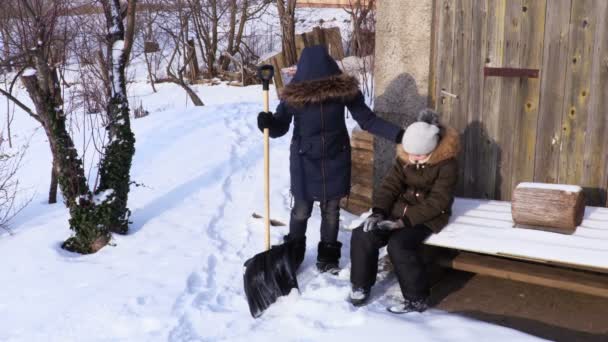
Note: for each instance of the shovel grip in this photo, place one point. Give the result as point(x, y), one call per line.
point(267, 176)
point(266, 73)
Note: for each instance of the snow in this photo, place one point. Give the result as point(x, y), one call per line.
point(487, 227)
point(117, 52)
point(103, 196)
point(28, 72)
point(547, 186)
point(177, 275)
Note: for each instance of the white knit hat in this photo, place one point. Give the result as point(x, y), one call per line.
point(420, 138)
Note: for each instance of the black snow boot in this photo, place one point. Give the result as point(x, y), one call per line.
point(297, 248)
point(409, 305)
point(328, 257)
point(359, 296)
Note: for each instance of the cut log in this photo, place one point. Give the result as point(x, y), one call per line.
point(551, 207)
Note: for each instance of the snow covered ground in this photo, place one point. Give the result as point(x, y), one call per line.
point(177, 276)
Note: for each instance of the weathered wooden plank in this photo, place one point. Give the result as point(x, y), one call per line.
point(437, 5)
point(363, 145)
point(596, 143)
point(473, 170)
point(489, 154)
point(460, 77)
point(510, 98)
point(553, 78)
point(445, 57)
point(526, 114)
point(361, 192)
point(362, 135)
point(354, 206)
point(578, 281)
point(362, 157)
point(576, 96)
point(603, 106)
point(362, 171)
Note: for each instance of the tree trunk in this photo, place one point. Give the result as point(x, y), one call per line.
point(192, 61)
point(196, 100)
point(54, 185)
point(5, 47)
point(288, 28)
point(44, 90)
point(224, 61)
point(130, 29)
point(114, 171)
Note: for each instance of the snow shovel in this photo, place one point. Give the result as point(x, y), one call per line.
point(269, 274)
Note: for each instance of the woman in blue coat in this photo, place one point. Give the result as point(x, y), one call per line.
point(320, 156)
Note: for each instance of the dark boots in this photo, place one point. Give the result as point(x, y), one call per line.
point(328, 257)
point(328, 254)
point(297, 250)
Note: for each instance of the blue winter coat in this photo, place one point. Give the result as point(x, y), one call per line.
point(320, 156)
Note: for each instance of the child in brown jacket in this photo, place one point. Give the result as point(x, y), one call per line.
point(413, 202)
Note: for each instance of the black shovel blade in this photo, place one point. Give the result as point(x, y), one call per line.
point(268, 276)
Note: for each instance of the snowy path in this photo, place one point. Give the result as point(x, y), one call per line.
point(177, 276)
point(212, 306)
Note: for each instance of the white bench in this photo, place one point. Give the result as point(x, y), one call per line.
point(483, 232)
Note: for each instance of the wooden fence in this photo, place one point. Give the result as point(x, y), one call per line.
point(518, 126)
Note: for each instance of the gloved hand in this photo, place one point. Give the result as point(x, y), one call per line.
point(389, 225)
point(370, 223)
point(265, 120)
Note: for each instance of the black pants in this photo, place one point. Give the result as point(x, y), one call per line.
point(403, 245)
point(330, 219)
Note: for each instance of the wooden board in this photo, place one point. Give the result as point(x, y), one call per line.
point(576, 96)
point(445, 57)
point(596, 142)
point(553, 77)
point(486, 227)
point(526, 111)
point(583, 282)
point(460, 77)
point(472, 132)
point(510, 99)
point(490, 152)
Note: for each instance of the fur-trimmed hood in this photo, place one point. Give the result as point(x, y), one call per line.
point(449, 147)
point(344, 87)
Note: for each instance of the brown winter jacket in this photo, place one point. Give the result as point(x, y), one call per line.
point(426, 189)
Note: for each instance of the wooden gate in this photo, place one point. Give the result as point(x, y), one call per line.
point(515, 127)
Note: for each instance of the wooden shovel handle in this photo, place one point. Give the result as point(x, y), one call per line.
point(267, 175)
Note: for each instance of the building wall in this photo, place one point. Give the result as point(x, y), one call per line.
point(402, 69)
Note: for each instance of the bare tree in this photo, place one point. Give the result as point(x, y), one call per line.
point(206, 16)
point(9, 185)
point(287, 12)
point(40, 40)
point(362, 42)
point(241, 12)
point(177, 32)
